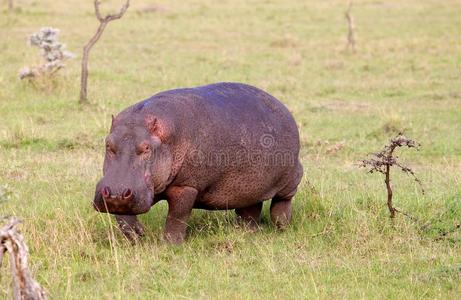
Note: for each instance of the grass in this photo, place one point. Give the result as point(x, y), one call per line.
point(341, 244)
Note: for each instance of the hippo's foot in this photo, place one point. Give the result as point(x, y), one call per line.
point(174, 238)
point(180, 203)
point(130, 227)
point(281, 211)
point(249, 216)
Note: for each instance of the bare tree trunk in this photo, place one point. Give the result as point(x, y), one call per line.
point(103, 21)
point(86, 53)
point(390, 205)
point(351, 27)
point(10, 5)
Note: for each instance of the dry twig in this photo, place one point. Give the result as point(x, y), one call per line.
point(447, 232)
point(383, 161)
point(442, 235)
point(103, 21)
point(11, 241)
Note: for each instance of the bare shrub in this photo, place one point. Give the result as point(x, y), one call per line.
point(53, 53)
point(384, 160)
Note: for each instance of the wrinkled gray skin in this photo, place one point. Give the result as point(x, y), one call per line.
point(220, 146)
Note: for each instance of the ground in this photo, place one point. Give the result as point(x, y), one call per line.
point(404, 76)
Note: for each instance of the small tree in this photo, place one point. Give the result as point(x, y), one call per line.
point(103, 21)
point(383, 161)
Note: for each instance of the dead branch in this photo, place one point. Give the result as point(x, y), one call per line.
point(447, 232)
point(351, 28)
point(383, 161)
point(103, 21)
point(11, 241)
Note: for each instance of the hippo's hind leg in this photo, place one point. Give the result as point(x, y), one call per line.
point(130, 226)
point(281, 203)
point(281, 211)
point(249, 216)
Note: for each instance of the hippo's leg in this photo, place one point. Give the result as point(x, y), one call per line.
point(249, 216)
point(281, 211)
point(281, 208)
point(180, 203)
point(281, 203)
point(130, 226)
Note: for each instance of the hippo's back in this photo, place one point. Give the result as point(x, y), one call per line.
point(229, 110)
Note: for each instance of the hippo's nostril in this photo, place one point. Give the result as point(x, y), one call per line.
point(127, 193)
point(105, 192)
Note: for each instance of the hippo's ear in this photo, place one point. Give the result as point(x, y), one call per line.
point(151, 124)
point(112, 123)
point(157, 128)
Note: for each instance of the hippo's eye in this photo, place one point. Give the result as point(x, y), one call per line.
point(143, 148)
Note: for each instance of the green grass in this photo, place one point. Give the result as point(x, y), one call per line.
point(405, 75)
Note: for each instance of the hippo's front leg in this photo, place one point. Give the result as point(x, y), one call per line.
point(130, 226)
point(180, 203)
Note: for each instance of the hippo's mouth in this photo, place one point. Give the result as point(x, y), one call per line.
point(121, 206)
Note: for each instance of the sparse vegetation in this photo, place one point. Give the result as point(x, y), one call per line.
point(341, 244)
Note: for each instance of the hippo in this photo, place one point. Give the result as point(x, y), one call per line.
point(221, 146)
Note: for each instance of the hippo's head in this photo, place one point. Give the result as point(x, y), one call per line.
point(135, 164)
